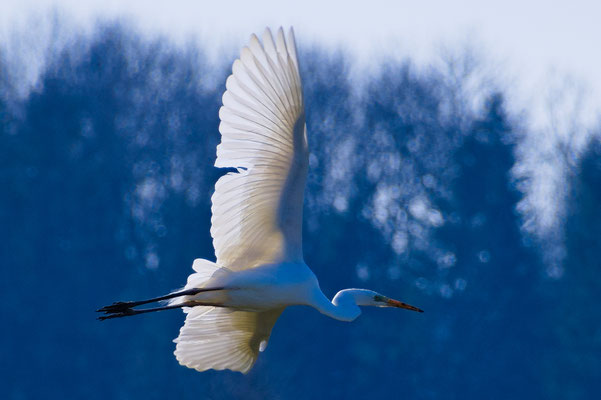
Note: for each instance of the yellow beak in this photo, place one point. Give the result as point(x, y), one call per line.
point(400, 304)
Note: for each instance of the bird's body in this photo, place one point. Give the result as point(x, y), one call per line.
point(232, 304)
point(262, 288)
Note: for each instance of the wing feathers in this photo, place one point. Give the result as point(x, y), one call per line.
point(257, 211)
point(218, 338)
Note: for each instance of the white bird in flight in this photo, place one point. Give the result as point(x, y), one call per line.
point(232, 304)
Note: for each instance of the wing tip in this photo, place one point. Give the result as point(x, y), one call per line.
point(289, 37)
point(267, 31)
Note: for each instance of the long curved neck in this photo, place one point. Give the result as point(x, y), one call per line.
point(343, 307)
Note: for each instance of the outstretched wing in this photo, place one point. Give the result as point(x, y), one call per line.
point(257, 211)
point(220, 338)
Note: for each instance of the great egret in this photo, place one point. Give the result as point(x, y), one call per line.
point(232, 304)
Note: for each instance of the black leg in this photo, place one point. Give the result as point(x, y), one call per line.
point(125, 307)
point(127, 312)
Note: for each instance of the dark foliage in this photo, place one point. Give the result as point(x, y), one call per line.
point(572, 365)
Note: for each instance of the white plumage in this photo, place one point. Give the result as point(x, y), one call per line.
point(222, 338)
point(232, 305)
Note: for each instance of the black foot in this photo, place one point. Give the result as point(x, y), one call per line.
point(118, 307)
point(119, 314)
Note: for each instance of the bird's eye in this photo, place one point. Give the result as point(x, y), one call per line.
point(379, 298)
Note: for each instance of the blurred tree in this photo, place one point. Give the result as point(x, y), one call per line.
point(438, 190)
point(487, 269)
point(109, 141)
point(573, 362)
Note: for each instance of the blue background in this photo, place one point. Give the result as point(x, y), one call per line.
point(106, 176)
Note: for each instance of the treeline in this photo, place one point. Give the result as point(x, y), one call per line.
point(106, 175)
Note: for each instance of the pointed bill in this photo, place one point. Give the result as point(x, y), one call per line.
point(400, 304)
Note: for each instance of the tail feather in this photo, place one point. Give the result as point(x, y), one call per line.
point(204, 271)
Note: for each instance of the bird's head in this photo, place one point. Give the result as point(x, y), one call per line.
point(365, 297)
